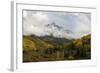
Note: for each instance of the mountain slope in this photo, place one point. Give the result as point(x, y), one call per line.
point(49, 48)
point(34, 42)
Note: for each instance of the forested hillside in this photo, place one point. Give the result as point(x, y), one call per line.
point(49, 48)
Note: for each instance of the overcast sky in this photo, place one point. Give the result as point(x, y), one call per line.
point(59, 24)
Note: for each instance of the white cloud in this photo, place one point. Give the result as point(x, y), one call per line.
point(83, 26)
point(35, 22)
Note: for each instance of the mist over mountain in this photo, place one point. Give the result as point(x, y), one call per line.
point(58, 24)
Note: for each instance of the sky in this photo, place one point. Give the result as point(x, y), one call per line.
point(59, 24)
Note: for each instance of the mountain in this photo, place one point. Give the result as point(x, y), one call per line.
point(52, 39)
point(54, 25)
point(36, 42)
point(59, 28)
point(49, 48)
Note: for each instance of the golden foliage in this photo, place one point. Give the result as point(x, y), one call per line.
point(28, 44)
point(78, 43)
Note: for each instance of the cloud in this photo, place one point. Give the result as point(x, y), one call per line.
point(33, 23)
point(36, 22)
point(83, 26)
